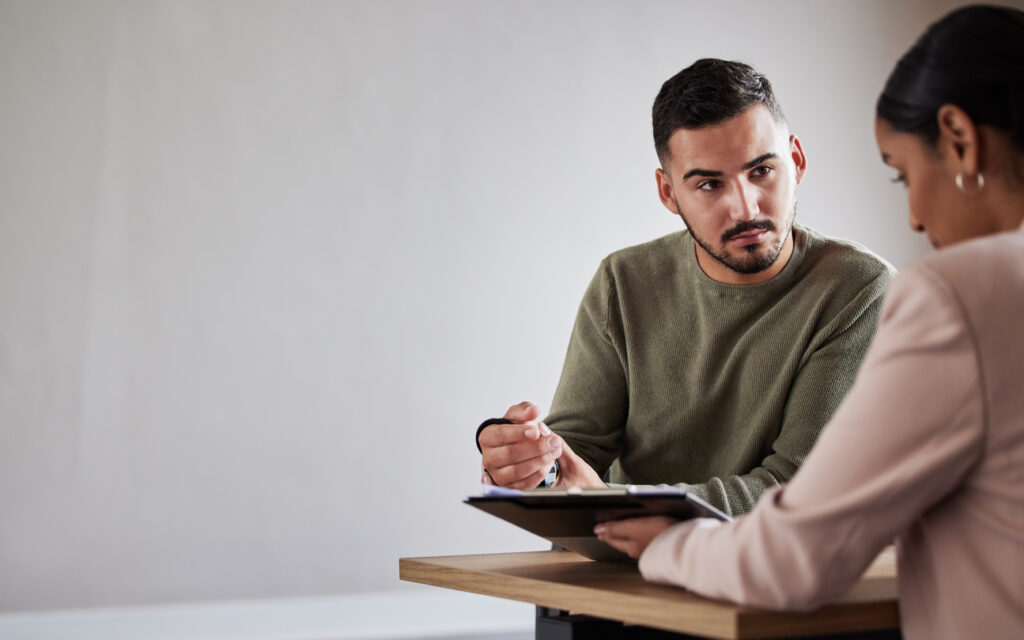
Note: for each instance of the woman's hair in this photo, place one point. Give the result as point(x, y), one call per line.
point(972, 58)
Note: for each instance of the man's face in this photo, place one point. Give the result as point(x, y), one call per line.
point(734, 185)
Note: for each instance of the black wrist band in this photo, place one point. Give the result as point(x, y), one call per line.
point(484, 425)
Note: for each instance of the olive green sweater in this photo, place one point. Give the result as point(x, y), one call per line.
point(674, 378)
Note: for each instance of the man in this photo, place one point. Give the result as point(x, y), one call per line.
point(709, 358)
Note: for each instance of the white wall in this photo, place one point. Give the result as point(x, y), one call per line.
point(265, 265)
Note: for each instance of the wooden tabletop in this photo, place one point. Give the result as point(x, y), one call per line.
point(616, 591)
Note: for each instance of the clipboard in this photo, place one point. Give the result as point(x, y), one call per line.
point(567, 517)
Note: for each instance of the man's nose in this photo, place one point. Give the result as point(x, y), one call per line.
point(745, 206)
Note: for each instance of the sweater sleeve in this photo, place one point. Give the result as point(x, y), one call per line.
point(826, 374)
point(591, 400)
point(907, 434)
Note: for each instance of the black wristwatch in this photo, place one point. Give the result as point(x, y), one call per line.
point(552, 476)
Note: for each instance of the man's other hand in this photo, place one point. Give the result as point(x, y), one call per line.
point(574, 472)
point(519, 455)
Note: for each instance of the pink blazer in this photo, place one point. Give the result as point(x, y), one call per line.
point(928, 447)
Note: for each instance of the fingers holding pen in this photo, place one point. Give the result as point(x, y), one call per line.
point(515, 442)
point(501, 435)
point(519, 456)
point(525, 475)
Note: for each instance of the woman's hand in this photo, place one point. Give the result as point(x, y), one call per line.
point(633, 535)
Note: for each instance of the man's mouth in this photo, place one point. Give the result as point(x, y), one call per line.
point(749, 237)
point(749, 232)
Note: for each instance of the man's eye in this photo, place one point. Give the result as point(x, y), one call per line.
point(709, 185)
point(763, 170)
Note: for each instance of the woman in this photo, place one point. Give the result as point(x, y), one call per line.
point(928, 446)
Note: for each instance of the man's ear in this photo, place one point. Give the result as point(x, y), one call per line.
point(796, 151)
point(959, 140)
point(665, 191)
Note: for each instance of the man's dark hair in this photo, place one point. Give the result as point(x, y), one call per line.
point(971, 58)
point(709, 91)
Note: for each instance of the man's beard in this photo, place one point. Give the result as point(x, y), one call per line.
point(759, 256)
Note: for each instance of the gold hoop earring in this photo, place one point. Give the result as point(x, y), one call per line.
point(979, 181)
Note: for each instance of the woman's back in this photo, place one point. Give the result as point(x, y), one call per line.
point(962, 562)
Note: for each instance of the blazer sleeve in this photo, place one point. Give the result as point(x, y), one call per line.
point(907, 434)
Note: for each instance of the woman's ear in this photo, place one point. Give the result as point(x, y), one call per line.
point(959, 138)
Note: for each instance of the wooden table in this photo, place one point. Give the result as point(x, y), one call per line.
point(616, 591)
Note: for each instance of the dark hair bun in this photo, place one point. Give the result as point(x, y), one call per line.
point(973, 58)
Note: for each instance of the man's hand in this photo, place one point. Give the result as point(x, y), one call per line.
point(633, 535)
point(574, 472)
point(519, 455)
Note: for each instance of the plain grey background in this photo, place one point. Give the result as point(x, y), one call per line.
point(265, 265)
